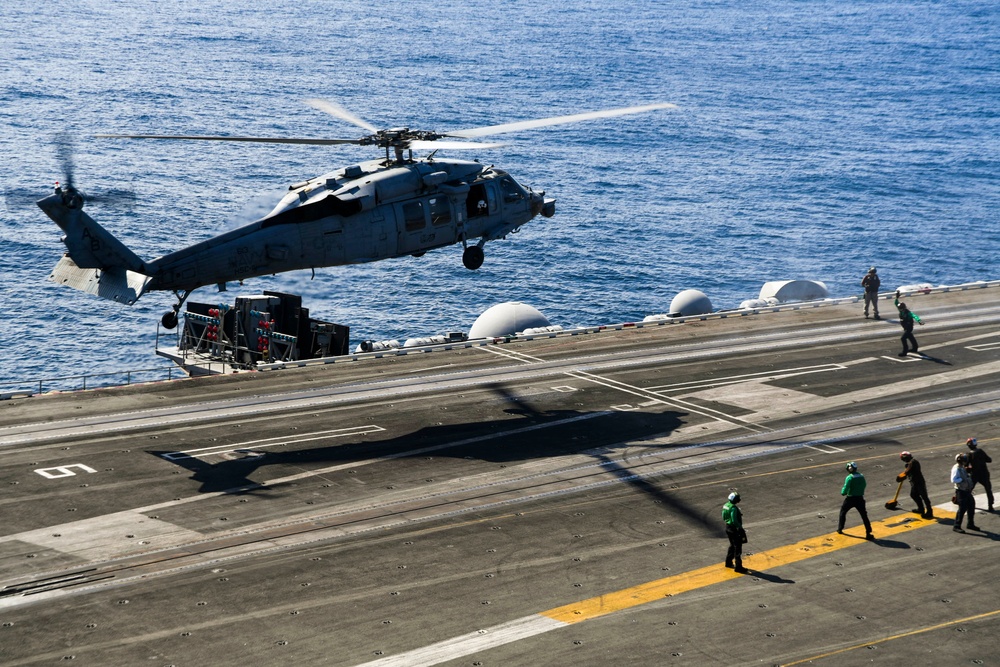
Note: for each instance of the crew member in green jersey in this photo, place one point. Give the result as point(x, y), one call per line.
point(906, 319)
point(733, 517)
point(854, 496)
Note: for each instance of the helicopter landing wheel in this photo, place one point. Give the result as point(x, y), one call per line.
point(169, 320)
point(473, 257)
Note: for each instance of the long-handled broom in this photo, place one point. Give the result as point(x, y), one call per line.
point(891, 505)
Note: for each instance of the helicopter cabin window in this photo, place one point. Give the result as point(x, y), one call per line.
point(413, 215)
point(440, 211)
point(511, 190)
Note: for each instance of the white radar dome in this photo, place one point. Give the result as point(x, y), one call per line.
point(690, 302)
point(794, 290)
point(507, 318)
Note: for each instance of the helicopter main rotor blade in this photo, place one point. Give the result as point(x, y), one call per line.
point(340, 112)
point(421, 144)
point(261, 140)
point(556, 120)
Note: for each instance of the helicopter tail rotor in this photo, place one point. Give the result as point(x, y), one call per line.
point(95, 260)
point(16, 198)
point(65, 153)
point(66, 156)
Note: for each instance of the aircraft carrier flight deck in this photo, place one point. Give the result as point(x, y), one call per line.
point(547, 502)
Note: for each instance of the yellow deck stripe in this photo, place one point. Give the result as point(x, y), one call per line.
point(546, 621)
point(713, 574)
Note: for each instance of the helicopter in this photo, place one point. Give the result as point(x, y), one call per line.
point(375, 210)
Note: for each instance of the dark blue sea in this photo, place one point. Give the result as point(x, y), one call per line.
point(814, 138)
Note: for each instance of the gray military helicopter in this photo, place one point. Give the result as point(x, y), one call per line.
point(365, 212)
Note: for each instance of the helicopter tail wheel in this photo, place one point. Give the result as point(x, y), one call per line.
point(473, 257)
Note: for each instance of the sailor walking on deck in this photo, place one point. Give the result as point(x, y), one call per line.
point(854, 496)
point(980, 473)
point(962, 479)
point(733, 517)
point(906, 320)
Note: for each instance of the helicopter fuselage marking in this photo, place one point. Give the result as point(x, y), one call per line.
point(95, 243)
point(246, 261)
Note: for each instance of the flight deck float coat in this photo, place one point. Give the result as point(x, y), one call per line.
point(854, 485)
point(962, 480)
point(913, 473)
point(980, 473)
point(918, 487)
point(732, 515)
point(907, 317)
point(871, 283)
point(977, 461)
point(854, 497)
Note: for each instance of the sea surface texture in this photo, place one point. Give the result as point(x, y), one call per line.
point(813, 139)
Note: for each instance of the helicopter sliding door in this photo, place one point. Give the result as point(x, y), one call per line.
point(411, 224)
point(424, 224)
point(481, 206)
point(481, 201)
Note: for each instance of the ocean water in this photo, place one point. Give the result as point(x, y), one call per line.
point(813, 138)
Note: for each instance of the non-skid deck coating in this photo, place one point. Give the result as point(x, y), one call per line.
point(653, 591)
point(531, 503)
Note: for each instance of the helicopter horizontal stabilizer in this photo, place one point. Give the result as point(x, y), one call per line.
point(118, 284)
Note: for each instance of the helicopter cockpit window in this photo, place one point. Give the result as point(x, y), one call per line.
point(413, 214)
point(440, 211)
point(511, 190)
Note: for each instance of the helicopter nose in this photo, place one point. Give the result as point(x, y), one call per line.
point(542, 204)
point(548, 207)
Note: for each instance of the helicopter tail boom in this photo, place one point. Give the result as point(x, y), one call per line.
point(96, 262)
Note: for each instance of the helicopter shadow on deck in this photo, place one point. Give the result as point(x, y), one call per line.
point(534, 436)
point(537, 434)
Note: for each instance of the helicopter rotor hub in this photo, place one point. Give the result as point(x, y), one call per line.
point(398, 137)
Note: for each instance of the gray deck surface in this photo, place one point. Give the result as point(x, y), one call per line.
point(550, 502)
